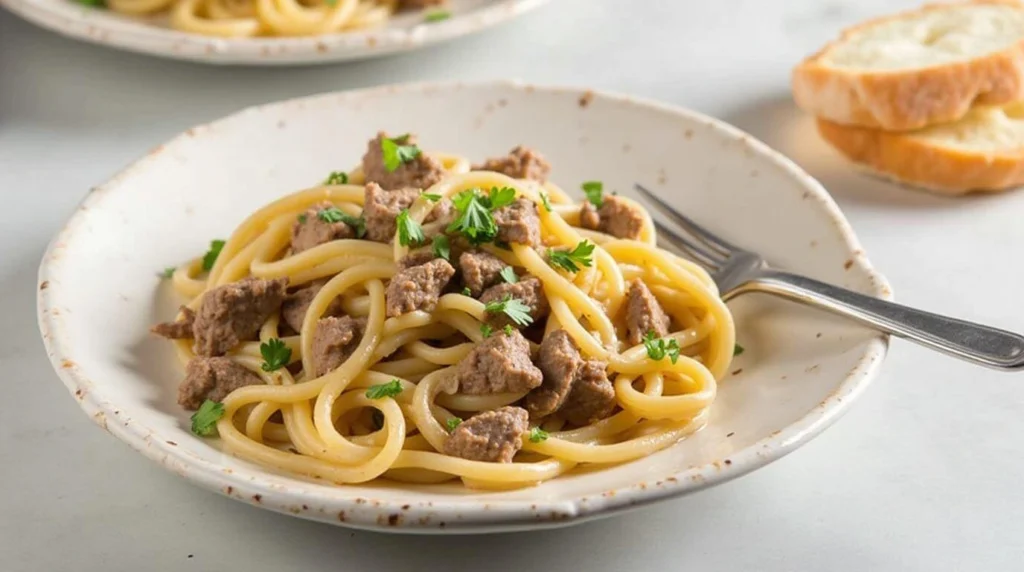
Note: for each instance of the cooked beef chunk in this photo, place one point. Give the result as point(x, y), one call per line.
point(381, 208)
point(334, 341)
point(480, 270)
point(421, 172)
point(416, 258)
point(559, 360)
point(418, 287)
point(492, 436)
point(615, 217)
point(643, 313)
point(212, 378)
point(443, 214)
point(499, 364)
point(179, 329)
point(592, 397)
point(520, 163)
point(310, 230)
point(528, 290)
point(234, 312)
point(293, 310)
point(519, 222)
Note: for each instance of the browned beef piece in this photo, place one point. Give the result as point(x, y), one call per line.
point(416, 258)
point(295, 305)
point(615, 217)
point(179, 329)
point(212, 378)
point(418, 287)
point(443, 213)
point(499, 364)
point(310, 230)
point(643, 313)
point(528, 290)
point(234, 312)
point(592, 397)
point(480, 270)
point(559, 360)
point(381, 208)
point(520, 163)
point(519, 222)
point(420, 173)
point(334, 341)
point(492, 436)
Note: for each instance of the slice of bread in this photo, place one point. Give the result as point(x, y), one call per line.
point(984, 151)
point(918, 68)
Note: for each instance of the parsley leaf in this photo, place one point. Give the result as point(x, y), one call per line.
point(441, 247)
point(508, 329)
point(210, 258)
point(337, 178)
point(508, 274)
point(737, 350)
point(545, 201)
point(452, 423)
point(658, 348)
point(595, 192)
point(475, 220)
point(486, 330)
point(437, 16)
point(537, 435)
point(334, 214)
point(168, 272)
point(501, 197)
point(467, 292)
point(409, 231)
point(432, 197)
point(395, 154)
point(93, 3)
point(515, 309)
point(572, 259)
point(275, 354)
point(204, 420)
point(382, 390)
point(302, 218)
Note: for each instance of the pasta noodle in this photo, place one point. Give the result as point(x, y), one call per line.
point(333, 427)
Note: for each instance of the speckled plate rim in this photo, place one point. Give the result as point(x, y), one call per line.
point(452, 514)
point(86, 24)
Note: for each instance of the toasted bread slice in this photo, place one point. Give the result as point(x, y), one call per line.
point(984, 151)
point(918, 68)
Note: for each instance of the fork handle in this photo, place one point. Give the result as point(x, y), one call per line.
point(965, 340)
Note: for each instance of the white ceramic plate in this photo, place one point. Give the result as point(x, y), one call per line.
point(99, 290)
point(404, 32)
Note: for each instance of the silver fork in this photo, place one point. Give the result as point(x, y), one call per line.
point(737, 271)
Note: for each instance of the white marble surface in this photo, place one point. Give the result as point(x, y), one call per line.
point(924, 474)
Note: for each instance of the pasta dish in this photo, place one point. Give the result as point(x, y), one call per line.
point(421, 319)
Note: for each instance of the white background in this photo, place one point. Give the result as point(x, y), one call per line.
point(924, 474)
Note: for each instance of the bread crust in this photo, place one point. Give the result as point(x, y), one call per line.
point(925, 163)
point(900, 100)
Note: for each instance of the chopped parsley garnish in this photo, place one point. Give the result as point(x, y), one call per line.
point(515, 309)
point(537, 435)
point(275, 354)
point(475, 219)
point(737, 350)
point(486, 330)
point(437, 16)
point(337, 178)
point(571, 260)
point(302, 218)
point(441, 247)
point(334, 214)
point(382, 390)
point(409, 231)
point(204, 420)
point(93, 3)
point(508, 329)
point(467, 292)
point(658, 348)
point(452, 423)
point(395, 153)
point(545, 201)
point(508, 274)
point(595, 192)
point(210, 258)
point(168, 272)
point(432, 197)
